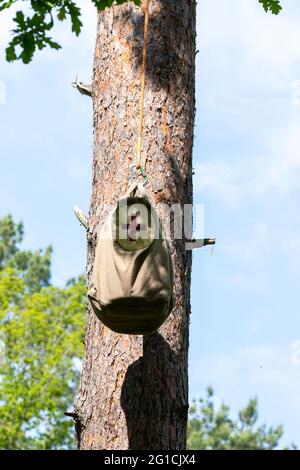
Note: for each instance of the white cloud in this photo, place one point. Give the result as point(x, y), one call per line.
point(296, 93)
point(265, 371)
point(243, 26)
point(249, 250)
point(246, 268)
point(247, 75)
point(275, 173)
point(290, 247)
point(254, 367)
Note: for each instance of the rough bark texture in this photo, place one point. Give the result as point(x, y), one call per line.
point(134, 390)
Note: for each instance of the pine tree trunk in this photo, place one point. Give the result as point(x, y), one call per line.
point(134, 391)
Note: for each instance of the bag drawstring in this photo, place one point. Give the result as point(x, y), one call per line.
point(138, 165)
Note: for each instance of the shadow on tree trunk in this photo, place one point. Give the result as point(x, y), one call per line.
point(153, 426)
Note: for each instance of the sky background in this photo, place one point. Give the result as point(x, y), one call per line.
point(245, 321)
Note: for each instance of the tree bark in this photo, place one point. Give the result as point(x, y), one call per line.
point(134, 391)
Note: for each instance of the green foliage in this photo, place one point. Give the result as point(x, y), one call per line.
point(32, 267)
point(10, 236)
point(210, 428)
point(32, 30)
point(271, 5)
point(41, 343)
point(102, 4)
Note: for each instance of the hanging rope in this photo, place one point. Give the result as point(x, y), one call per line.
point(142, 96)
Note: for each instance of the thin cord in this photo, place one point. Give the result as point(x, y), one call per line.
point(143, 80)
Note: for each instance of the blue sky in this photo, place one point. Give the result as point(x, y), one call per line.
point(245, 297)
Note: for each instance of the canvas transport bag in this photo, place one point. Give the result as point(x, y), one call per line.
point(132, 279)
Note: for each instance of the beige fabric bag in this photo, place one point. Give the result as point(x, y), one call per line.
point(132, 280)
